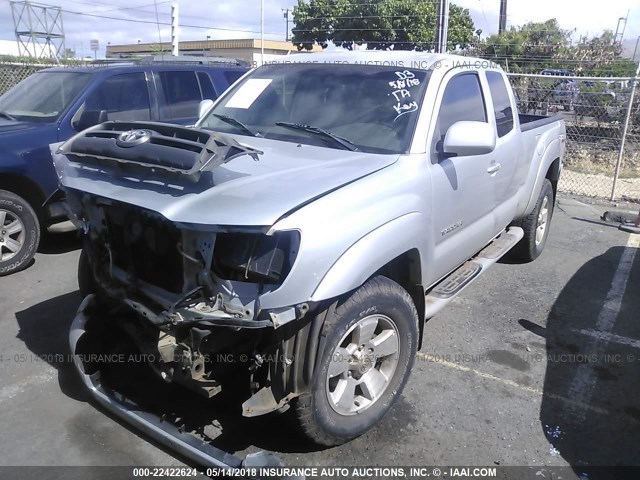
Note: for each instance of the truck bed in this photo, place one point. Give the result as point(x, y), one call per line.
point(530, 122)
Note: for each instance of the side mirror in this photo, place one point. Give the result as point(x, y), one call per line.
point(204, 107)
point(469, 138)
point(89, 118)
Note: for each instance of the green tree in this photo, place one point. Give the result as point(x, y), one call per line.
point(530, 48)
point(537, 46)
point(380, 24)
point(601, 56)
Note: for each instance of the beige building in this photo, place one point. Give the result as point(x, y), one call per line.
point(247, 50)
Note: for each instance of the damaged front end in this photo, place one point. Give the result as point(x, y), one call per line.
point(188, 295)
point(195, 294)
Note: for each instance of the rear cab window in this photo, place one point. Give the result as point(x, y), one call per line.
point(502, 108)
point(206, 86)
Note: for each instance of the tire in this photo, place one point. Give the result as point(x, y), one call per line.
point(325, 416)
point(19, 233)
point(532, 244)
point(86, 281)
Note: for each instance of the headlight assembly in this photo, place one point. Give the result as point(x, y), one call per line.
point(255, 258)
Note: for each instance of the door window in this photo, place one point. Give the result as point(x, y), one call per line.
point(182, 95)
point(462, 101)
point(124, 97)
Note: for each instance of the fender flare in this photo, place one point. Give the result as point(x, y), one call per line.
point(551, 154)
point(370, 253)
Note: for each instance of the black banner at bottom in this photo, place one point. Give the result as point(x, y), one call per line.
point(321, 472)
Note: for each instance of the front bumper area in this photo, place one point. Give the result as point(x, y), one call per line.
point(163, 432)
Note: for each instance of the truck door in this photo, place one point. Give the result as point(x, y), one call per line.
point(462, 186)
point(508, 154)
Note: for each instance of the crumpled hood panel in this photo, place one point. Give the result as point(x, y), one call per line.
point(242, 192)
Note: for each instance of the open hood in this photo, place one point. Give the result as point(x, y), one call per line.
point(248, 190)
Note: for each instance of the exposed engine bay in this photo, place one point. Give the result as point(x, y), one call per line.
point(188, 298)
point(189, 295)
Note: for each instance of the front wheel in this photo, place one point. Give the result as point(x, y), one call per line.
point(536, 226)
point(19, 233)
point(370, 345)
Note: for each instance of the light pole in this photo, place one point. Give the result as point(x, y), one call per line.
point(285, 14)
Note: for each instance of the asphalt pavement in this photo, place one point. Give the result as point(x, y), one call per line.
point(533, 365)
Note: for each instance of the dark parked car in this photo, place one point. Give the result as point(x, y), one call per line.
point(54, 104)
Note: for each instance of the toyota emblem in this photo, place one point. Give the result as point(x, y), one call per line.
point(132, 138)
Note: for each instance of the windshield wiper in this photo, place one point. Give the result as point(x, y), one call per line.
point(236, 123)
point(343, 142)
point(8, 116)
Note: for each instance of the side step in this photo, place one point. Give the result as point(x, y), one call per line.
point(447, 289)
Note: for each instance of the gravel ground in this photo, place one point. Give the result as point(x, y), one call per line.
point(598, 185)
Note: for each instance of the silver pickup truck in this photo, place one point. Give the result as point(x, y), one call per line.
point(300, 236)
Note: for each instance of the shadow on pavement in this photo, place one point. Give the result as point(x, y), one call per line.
point(57, 243)
point(590, 411)
point(44, 329)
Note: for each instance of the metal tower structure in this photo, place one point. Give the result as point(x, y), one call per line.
point(622, 25)
point(39, 30)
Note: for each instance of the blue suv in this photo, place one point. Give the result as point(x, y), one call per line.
point(54, 104)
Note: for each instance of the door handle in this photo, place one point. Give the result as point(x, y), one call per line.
point(494, 168)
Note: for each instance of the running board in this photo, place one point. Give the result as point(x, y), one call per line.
point(447, 289)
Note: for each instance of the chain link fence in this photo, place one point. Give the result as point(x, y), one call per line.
point(11, 74)
point(595, 111)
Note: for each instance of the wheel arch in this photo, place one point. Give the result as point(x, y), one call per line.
point(25, 188)
point(549, 167)
point(389, 245)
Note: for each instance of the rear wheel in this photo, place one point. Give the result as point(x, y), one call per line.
point(19, 233)
point(370, 345)
point(536, 226)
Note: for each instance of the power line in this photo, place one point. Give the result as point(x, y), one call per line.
point(111, 9)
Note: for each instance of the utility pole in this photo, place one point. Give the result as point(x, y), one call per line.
point(285, 14)
point(502, 24)
point(175, 51)
point(442, 26)
point(261, 32)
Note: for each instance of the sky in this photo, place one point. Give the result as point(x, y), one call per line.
point(241, 19)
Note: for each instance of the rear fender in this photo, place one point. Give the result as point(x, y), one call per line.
point(553, 151)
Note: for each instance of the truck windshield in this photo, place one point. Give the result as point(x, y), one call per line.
point(43, 96)
point(363, 107)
